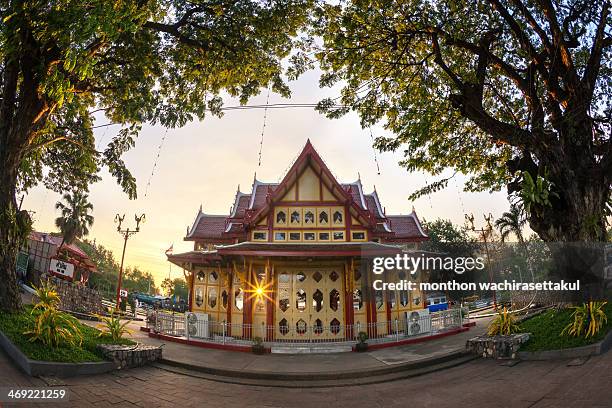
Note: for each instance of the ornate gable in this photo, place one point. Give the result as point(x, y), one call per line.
point(308, 206)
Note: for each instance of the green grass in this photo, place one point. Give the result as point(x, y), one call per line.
point(546, 330)
point(13, 326)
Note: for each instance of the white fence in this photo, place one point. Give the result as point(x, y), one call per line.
point(191, 328)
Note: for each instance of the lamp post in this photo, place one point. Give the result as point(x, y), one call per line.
point(126, 233)
point(484, 232)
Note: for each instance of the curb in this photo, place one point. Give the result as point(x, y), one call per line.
point(316, 382)
point(36, 368)
point(375, 346)
point(319, 376)
point(594, 349)
point(216, 346)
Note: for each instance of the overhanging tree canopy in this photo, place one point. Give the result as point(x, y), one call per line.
point(151, 61)
point(515, 93)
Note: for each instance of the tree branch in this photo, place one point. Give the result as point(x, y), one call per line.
point(599, 43)
point(174, 31)
point(46, 143)
point(534, 24)
point(570, 75)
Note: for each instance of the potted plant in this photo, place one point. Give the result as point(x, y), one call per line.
point(258, 347)
point(362, 345)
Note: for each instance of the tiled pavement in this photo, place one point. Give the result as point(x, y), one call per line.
point(482, 383)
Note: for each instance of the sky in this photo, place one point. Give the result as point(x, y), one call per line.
point(204, 162)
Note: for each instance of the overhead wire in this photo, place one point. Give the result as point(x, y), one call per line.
point(374, 150)
point(159, 149)
point(263, 128)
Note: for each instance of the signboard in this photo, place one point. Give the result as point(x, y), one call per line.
point(123, 293)
point(61, 268)
point(22, 264)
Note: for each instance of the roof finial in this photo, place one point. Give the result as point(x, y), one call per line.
point(254, 177)
point(413, 209)
point(374, 187)
point(238, 188)
point(358, 176)
point(200, 207)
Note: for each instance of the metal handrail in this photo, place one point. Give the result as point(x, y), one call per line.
point(299, 334)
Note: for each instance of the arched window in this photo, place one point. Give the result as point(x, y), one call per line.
point(199, 297)
point(212, 298)
point(323, 218)
point(309, 217)
point(212, 278)
point(281, 217)
point(239, 298)
point(337, 217)
point(357, 299)
point(317, 300)
point(295, 217)
point(224, 297)
point(334, 300)
point(380, 299)
point(300, 300)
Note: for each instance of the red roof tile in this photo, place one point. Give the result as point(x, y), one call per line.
point(372, 207)
point(355, 192)
point(260, 192)
point(241, 205)
point(404, 226)
point(208, 226)
point(401, 227)
point(57, 241)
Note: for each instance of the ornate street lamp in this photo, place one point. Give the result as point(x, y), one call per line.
point(126, 233)
point(484, 233)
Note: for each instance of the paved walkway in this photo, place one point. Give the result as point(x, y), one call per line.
point(482, 383)
point(309, 363)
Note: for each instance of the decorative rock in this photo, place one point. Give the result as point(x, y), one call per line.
point(131, 356)
point(499, 347)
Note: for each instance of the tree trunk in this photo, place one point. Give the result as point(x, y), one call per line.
point(574, 226)
point(10, 231)
point(22, 112)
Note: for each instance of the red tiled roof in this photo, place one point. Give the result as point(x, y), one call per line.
point(250, 208)
point(404, 226)
point(355, 192)
point(193, 256)
point(241, 205)
point(208, 226)
point(372, 207)
point(234, 228)
point(57, 241)
point(261, 190)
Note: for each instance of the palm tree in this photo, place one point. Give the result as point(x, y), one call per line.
point(75, 220)
point(512, 222)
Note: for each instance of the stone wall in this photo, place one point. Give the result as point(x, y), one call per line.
point(131, 356)
point(77, 297)
point(497, 346)
point(521, 298)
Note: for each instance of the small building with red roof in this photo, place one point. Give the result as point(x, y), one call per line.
point(48, 254)
point(295, 257)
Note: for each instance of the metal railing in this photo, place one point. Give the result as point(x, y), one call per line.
point(195, 328)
